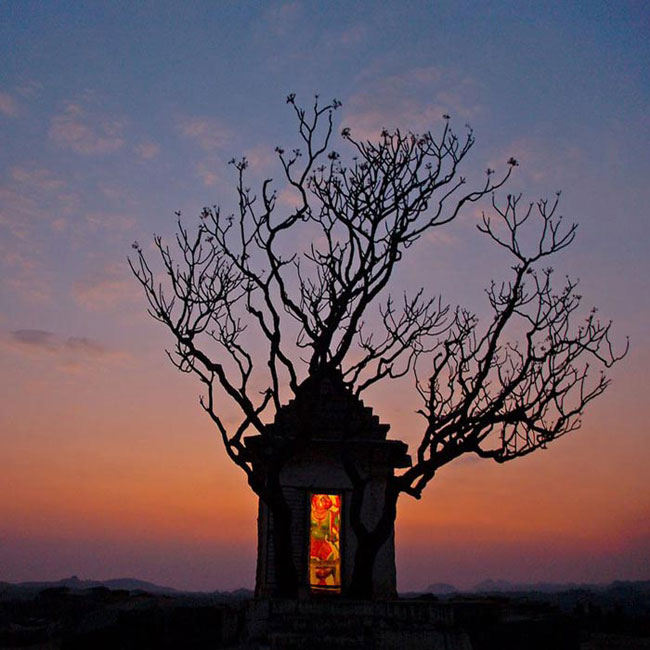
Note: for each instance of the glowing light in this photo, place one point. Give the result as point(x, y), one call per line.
point(325, 543)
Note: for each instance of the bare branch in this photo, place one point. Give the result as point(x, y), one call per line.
point(262, 297)
point(527, 379)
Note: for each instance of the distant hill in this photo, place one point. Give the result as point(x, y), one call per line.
point(438, 588)
point(75, 584)
point(132, 584)
point(503, 586)
point(29, 590)
point(441, 589)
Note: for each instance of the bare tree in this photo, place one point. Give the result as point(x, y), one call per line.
point(501, 391)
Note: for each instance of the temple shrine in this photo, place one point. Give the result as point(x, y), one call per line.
point(331, 428)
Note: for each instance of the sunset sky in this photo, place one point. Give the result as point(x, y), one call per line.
point(113, 115)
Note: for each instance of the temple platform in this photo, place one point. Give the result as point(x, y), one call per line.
point(333, 624)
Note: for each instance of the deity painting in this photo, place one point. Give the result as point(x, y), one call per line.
point(325, 543)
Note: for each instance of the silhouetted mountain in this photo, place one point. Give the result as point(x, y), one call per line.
point(239, 593)
point(503, 586)
point(75, 584)
point(441, 589)
point(494, 585)
point(506, 587)
point(132, 584)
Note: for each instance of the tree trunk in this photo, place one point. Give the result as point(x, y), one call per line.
point(361, 586)
point(369, 543)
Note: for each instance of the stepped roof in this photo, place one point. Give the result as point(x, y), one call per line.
point(326, 412)
point(331, 411)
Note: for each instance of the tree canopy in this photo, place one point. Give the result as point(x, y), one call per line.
point(302, 280)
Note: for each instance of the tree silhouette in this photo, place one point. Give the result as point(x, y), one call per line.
point(500, 390)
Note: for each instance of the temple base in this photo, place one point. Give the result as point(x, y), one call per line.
point(340, 623)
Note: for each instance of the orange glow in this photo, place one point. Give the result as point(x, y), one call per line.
point(104, 457)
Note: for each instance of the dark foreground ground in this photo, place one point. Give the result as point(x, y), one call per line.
point(62, 618)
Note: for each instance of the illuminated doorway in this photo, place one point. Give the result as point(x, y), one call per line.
point(325, 543)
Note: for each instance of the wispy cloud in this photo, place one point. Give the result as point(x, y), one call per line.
point(29, 88)
point(348, 37)
point(40, 339)
point(544, 163)
point(30, 197)
point(209, 132)
point(8, 105)
point(353, 35)
point(37, 178)
point(51, 342)
point(281, 18)
point(289, 198)
point(109, 221)
point(147, 150)
point(71, 353)
point(85, 345)
point(114, 192)
point(75, 129)
point(208, 174)
point(18, 211)
point(440, 237)
point(107, 288)
point(21, 273)
point(261, 159)
point(415, 99)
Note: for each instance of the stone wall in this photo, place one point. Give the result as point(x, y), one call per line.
point(304, 476)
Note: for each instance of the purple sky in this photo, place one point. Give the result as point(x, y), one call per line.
point(113, 115)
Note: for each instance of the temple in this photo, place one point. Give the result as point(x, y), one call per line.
point(330, 428)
